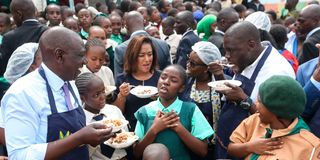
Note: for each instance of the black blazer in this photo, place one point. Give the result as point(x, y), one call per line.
point(217, 39)
point(309, 49)
point(29, 31)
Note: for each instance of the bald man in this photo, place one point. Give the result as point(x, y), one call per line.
point(156, 151)
point(254, 62)
point(28, 30)
point(135, 27)
point(308, 24)
point(42, 110)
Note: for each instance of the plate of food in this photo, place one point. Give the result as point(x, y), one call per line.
point(122, 140)
point(220, 85)
point(144, 91)
point(110, 89)
point(116, 124)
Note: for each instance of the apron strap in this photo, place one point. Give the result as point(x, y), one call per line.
point(73, 94)
point(260, 63)
point(49, 91)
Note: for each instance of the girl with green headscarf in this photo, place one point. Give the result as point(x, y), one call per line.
point(206, 25)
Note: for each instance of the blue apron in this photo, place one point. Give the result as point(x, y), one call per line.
point(232, 114)
point(63, 124)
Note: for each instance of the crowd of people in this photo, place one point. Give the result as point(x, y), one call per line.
point(65, 66)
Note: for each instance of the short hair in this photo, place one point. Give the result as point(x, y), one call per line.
point(94, 42)
point(78, 7)
point(161, 4)
point(124, 5)
point(134, 5)
point(173, 12)
point(170, 21)
point(272, 13)
point(279, 33)
point(224, 13)
point(189, 6)
point(182, 72)
point(150, 9)
point(6, 18)
point(240, 8)
point(132, 53)
point(83, 80)
point(97, 21)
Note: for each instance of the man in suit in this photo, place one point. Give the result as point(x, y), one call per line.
point(225, 19)
point(28, 30)
point(184, 25)
point(308, 23)
point(135, 27)
point(309, 77)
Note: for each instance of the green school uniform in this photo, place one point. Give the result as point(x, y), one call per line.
point(190, 117)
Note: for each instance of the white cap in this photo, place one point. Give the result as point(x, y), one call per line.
point(260, 20)
point(20, 61)
point(206, 51)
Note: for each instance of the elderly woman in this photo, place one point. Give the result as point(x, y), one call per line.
point(139, 69)
point(207, 26)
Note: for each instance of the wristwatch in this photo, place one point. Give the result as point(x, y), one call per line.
point(246, 103)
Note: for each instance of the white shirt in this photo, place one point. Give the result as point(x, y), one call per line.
point(110, 112)
point(275, 64)
point(104, 73)
point(25, 109)
point(173, 40)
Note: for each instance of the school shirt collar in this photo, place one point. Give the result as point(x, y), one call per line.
point(54, 80)
point(176, 106)
point(281, 132)
point(312, 31)
point(84, 33)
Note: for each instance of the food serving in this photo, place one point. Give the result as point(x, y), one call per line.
point(116, 124)
point(122, 140)
point(144, 91)
point(220, 85)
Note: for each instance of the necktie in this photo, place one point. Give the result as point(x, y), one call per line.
point(67, 96)
point(98, 117)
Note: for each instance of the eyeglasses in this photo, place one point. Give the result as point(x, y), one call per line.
point(192, 64)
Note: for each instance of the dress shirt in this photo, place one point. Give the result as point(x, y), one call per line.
point(109, 112)
point(104, 73)
point(25, 109)
point(275, 64)
point(173, 40)
point(315, 83)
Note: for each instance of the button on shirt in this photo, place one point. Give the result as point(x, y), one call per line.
point(25, 108)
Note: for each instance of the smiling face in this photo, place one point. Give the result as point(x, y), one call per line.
point(116, 23)
point(96, 58)
point(95, 96)
point(170, 84)
point(145, 58)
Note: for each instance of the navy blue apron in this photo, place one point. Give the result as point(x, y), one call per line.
point(232, 114)
point(63, 124)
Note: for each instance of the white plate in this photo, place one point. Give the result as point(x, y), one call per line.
point(220, 86)
point(110, 89)
point(131, 139)
point(124, 123)
point(144, 91)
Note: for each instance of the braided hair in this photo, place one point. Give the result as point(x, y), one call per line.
point(93, 42)
point(83, 80)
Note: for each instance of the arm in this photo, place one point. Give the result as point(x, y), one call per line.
point(122, 95)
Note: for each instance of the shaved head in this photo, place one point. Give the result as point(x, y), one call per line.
point(134, 21)
point(312, 10)
point(22, 10)
point(156, 151)
point(244, 30)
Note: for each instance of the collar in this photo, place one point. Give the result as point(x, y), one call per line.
point(86, 69)
point(255, 63)
point(188, 30)
point(54, 80)
point(312, 31)
point(219, 31)
point(84, 33)
point(138, 32)
point(176, 106)
point(30, 20)
point(281, 132)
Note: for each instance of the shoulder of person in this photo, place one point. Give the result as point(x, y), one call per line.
point(310, 137)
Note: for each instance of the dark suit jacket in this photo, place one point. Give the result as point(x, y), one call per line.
point(162, 49)
point(309, 50)
point(217, 39)
point(184, 48)
point(29, 31)
point(254, 7)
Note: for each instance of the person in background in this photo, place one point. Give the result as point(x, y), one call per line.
point(72, 24)
point(93, 93)
point(279, 33)
point(28, 30)
point(134, 5)
point(206, 26)
point(272, 16)
point(225, 19)
point(153, 32)
point(289, 9)
point(241, 9)
point(144, 12)
point(85, 19)
point(184, 24)
point(173, 12)
point(53, 15)
point(156, 151)
point(66, 12)
point(52, 121)
point(5, 25)
point(154, 16)
point(255, 5)
point(116, 23)
point(139, 69)
point(177, 124)
point(276, 130)
point(163, 6)
point(308, 24)
point(171, 37)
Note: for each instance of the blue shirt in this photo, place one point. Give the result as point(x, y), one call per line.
point(25, 108)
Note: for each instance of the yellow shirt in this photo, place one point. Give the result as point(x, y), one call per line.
point(299, 146)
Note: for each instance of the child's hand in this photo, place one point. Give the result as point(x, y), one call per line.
point(177, 124)
point(264, 146)
point(163, 121)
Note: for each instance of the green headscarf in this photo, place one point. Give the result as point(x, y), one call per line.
point(204, 26)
